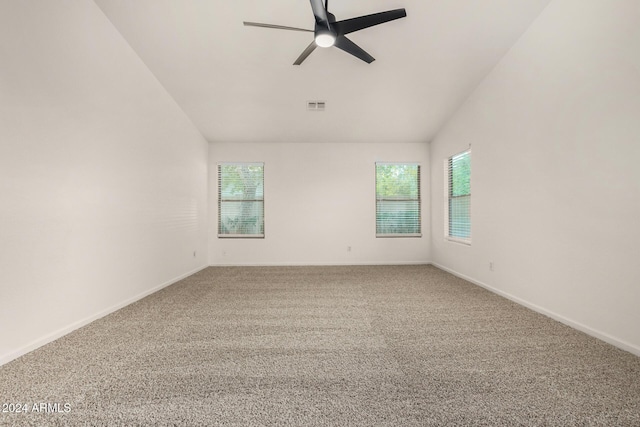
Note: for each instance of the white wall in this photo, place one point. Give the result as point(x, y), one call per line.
point(102, 177)
point(555, 131)
point(319, 199)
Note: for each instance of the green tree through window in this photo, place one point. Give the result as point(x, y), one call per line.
point(459, 196)
point(397, 199)
point(241, 200)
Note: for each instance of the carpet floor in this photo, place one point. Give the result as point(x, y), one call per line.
point(323, 346)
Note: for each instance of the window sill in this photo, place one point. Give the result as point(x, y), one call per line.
point(399, 235)
point(466, 242)
point(240, 236)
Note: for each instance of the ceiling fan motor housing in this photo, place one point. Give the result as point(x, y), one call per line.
point(324, 36)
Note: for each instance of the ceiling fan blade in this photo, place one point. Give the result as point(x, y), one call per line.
point(350, 47)
point(306, 53)
point(320, 11)
point(354, 24)
point(276, 27)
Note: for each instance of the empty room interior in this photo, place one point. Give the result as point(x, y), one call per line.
point(389, 212)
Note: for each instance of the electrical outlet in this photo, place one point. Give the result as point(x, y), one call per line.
point(348, 248)
point(194, 254)
point(490, 265)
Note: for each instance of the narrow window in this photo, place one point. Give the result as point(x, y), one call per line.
point(241, 200)
point(458, 206)
point(398, 200)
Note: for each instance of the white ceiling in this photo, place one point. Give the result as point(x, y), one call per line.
point(238, 84)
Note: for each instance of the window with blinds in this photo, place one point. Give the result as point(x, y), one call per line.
point(241, 200)
point(398, 200)
point(458, 188)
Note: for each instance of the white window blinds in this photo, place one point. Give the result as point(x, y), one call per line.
point(241, 200)
point(458, 187)
point(398, 200)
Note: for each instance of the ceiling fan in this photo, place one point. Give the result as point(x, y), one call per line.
point(329, 32)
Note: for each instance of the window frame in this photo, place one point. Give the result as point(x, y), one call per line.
point(221, 201)
point(448, 196)
point(418, 200)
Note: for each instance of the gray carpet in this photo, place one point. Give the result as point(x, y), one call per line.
point(316, 346)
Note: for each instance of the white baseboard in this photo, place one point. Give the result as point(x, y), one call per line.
point(562, 319)
point(6, 358)
point(318, 264)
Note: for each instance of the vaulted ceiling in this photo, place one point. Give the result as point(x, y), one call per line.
point(238, 84)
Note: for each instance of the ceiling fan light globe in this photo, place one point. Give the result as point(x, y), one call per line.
point(325, 40)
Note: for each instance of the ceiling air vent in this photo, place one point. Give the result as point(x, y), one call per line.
point(316, 105)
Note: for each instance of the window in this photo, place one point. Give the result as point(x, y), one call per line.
point(458, 206)
point(397, 200)
point(241, 200)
